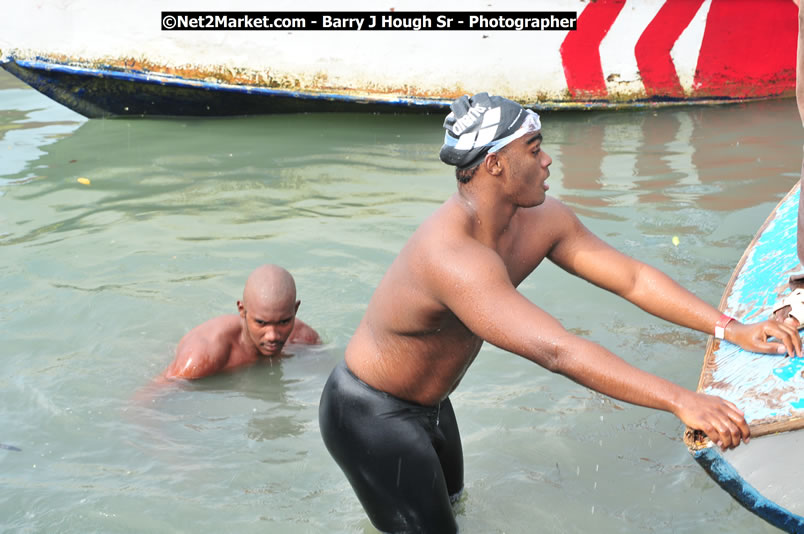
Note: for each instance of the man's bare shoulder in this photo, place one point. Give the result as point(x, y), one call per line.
point(450, 230)
point(551, 212)
point(445, 247)
point(223, 326)
point(408, 298)
point(549, 225)
point(205, 349)
point(449, 225)
point(304, 334)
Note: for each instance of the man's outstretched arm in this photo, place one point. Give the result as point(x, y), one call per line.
point(580, 252)
point(484, 299)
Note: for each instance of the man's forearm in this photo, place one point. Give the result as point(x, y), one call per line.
point(595, 367)
point(660, 295)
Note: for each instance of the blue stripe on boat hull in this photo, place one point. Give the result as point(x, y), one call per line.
point(108, 92)
point(105, 93)
point(727, 478)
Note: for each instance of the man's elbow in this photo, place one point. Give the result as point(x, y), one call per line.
point(189, 367)
point(169, 375)
point(560, 355)
point(552, 357)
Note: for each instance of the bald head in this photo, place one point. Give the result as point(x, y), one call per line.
point(270, 284)
point(268, 309)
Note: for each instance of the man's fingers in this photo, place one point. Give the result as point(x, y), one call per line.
point(789, 340)
point(772, 348)
point(794, 347)
point(712, 433)
point(731, 431)
point(734, 426)
point(734, 411)
point(721, 420)
point(738, 418)
point(725, 425)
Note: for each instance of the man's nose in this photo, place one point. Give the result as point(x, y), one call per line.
point(271, 333)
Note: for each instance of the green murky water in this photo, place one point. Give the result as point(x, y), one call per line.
point(100, 281)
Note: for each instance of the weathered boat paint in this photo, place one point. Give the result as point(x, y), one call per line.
point(769, 389)
point(624, 53)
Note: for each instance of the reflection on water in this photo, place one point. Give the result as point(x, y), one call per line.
point(100, 281)
point(670, 159)
point(26, 125)
point(270, 168)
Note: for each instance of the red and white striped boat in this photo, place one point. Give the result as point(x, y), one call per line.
point(104, 61)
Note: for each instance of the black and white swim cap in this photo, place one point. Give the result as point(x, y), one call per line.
point(483, 124)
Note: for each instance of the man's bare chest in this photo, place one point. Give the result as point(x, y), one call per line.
point(521, 257)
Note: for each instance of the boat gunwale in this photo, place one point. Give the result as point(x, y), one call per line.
point(44, 64)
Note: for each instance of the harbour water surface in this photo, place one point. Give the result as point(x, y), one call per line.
point(101, 279)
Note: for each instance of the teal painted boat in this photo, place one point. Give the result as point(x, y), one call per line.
point(765, 475)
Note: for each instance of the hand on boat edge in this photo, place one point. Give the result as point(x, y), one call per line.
point(722, 422)
point(756, 337)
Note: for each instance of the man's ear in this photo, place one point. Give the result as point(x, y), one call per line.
point(241, 309)
point(493, 164)
point(298, 303)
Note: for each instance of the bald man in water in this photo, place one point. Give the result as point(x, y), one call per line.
point(265, 324)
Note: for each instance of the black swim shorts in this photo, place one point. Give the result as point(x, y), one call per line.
point(404, 460)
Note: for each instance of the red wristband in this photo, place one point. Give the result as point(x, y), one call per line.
point(720, 326)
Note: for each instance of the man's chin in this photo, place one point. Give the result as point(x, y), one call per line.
point(270, 352)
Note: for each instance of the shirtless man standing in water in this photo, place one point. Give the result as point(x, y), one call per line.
point(265, 322)
point(385, 415)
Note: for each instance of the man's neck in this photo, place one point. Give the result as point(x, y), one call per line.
point(490, 213)
point(246, 345)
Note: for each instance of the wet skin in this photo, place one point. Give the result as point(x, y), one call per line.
point(453, 286)
point(265, 323)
